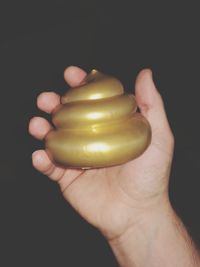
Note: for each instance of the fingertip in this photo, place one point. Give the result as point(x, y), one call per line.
point(71, 69)
point(143, 90)
point(146, 71)
point(33, 123)
point(47, 101)
point(37, 156)
point(144, 76)
point(30, 123)
point(39, 127)
point(73, 75)
point(41, 161)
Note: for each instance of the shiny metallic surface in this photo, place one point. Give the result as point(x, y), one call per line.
point(78, 113)
point(95, 86)
point(97, 126)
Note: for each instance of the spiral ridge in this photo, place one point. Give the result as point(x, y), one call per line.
point(97, 125)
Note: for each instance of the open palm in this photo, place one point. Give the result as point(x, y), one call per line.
point(112, 198)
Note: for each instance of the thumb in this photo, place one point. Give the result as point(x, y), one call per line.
point(152, 107)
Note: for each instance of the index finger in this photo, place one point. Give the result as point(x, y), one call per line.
point(48, 101)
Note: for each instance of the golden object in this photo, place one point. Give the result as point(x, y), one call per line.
point(97, 125)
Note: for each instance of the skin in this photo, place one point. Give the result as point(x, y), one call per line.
point(126, 202)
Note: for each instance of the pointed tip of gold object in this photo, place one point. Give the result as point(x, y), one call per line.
point(93, 71)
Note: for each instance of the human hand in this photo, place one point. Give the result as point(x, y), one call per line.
point(113, 199)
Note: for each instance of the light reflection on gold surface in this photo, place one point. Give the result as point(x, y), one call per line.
point(97, 147)
point(95, 96)
point(97, 125)
point(94, 115)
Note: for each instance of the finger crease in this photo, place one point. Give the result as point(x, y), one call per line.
point(49, 171)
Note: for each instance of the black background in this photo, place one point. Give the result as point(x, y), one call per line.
point(38, 40)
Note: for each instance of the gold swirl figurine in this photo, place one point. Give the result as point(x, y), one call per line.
point(97, 125)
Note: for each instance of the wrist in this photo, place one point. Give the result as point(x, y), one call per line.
point(157, 239)
point(145, 219)
point(142, 232)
